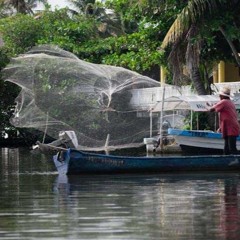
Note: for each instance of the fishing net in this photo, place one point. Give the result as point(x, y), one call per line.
point(61, 92)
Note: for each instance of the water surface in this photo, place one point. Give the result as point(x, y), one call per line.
point(36, 203)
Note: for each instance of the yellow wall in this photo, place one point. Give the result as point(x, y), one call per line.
point(232, 73)
point(221, 72)
point(226, 72)
point(163, 76)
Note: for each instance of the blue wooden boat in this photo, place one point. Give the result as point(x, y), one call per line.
point(74, 162)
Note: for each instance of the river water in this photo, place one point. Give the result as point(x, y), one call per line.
point(35, 203)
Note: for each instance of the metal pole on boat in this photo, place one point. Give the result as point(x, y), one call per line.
point(197, 122)
point(173, 119)
point(191, 119)
point(45, 131)
point(106, 144)
point(161, 120)
point(216, 114)
point(150, 122)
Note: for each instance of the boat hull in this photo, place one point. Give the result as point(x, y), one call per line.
point(196, 150)
point(74, 162)
point(199, 141)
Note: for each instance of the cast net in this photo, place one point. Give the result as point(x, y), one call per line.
point(61, 92)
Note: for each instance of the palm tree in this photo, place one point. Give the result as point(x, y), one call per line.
point(183, 36)
point(110, 24)
point(4, 10)
point(84, 6)
point(22, 6)
point(33, 3)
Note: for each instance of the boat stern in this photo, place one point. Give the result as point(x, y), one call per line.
point(61, 161)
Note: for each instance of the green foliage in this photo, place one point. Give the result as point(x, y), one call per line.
point(22, 32)
point(200, 121)
point(8, 93)
point(133, 51)
point(4, 58)
point(19, 33)
point(135, 54)
point(80, 34)
point(136, 14)
point(215, 46)
point(60, 29)
point(7, 98)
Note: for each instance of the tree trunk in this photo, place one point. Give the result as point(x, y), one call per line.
point(197, 81)
point(234, 50)
point(192, 60)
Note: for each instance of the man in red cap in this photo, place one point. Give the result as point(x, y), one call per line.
point(229, 125)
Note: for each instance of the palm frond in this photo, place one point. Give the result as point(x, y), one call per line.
point(189, 15)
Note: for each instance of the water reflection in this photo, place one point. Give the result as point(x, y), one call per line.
point(231, 218)
point(190, 206)
point(36, 203)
